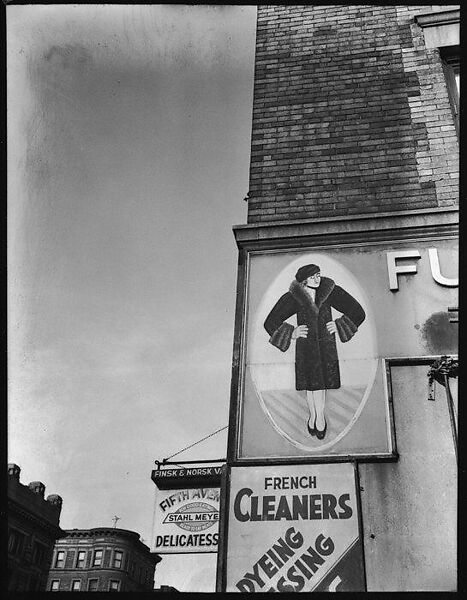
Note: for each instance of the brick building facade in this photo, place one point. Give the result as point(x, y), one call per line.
point(33, 527)
point(353, 177)
point(101, 560)
point(351, 113)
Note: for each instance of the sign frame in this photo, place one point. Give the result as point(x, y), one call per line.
point(249, 246)
point(408, 361)
point(186, 477)
point(206, 503)
point(221, 573)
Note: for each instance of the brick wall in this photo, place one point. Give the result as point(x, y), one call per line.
point(34, 520)
point(351, 114)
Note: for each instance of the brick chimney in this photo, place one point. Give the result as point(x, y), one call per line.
point(37, 487)
point(14, 471)
point(55, 499)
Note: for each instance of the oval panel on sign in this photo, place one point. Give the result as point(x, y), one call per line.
point(311, 352)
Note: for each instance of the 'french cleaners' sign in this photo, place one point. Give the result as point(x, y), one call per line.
point(186, 520)
point(294, 529)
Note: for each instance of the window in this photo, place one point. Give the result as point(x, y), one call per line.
point(450, 57)
point(38, 553)
point(60, 559)
point(76, 585)
point(114, 585)
point(97, 562)
point(16, 542)
point(11, 579)
point(22, 581)
point(34, 583)
point(441, 30)
point(118, 557)
point(55, 585)
point(92, 585)
point(80, 559)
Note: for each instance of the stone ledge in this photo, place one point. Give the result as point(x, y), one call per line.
point(433, 19)
point(356, 228)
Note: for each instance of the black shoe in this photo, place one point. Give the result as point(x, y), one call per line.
point(320, 434)
point(311, 430)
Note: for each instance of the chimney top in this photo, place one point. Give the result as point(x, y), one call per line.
point(14, 470)
point(37, 487)
point(55, 499)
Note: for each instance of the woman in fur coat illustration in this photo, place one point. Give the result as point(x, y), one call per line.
point(310, 298)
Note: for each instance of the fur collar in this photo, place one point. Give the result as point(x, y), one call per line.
point(303, 297)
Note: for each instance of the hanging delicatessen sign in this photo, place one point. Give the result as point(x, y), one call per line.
point(186, 514)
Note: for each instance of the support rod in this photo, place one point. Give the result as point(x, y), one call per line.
point(451, 411)
point(189, 462)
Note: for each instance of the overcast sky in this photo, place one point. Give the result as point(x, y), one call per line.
point(128, 155)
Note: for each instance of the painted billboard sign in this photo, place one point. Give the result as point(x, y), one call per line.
point(294, 529)
point(316, 328)
point(186, 521)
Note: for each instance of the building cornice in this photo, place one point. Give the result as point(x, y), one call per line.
point(378, 227)
point(16, 509)
point(102, 531)
point(125, 535)
point(433, 19)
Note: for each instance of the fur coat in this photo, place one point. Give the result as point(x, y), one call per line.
point(316, 360)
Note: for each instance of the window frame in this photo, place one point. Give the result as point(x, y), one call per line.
point(39, 551)
point(450, 60)
point(115, 560)
point(77, 563)
point(91, 582)
point(73, 581)
point(101, 557)
point(60, 560)
point(34, 582)
point(118, 582)
point(16, 539)
point(52, 587)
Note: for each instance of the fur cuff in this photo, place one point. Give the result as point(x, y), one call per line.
point(282, 337)
point(346, 328)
